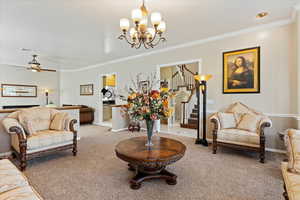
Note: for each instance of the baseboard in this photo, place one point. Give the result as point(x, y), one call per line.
point(5, 155)
point(276, 150)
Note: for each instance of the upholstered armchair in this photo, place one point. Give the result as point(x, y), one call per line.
point(239, 126)
point(291, 169)
point(36, 131)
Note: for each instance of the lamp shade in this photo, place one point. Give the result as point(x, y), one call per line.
point(162, 26)
point(156, 18)
point(203, 77)
point(124, 24)
point(136, 15)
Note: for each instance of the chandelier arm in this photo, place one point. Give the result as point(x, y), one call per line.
point(146, 45)
point(155, 34)
point(138, 45)
point(124, 37)
point(158, 41)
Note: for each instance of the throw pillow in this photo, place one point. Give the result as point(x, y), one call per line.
point(227, 120)
point(27, 124)
point(249, 122)
point(292, 141)
point(58, 122)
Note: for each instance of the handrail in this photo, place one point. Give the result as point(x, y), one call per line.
point(190, 97)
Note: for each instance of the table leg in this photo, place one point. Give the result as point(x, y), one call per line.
point(136, 181)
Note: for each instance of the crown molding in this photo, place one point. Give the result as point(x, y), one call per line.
point(188, 44)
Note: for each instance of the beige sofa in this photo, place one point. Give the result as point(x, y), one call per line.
point(291, 169)
point(14, 185)
point(239, 126)
point(36, 131)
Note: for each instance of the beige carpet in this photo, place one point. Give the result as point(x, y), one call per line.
point(97, 174)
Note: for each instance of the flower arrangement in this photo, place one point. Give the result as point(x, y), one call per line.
point(148, 104)
point(151, 106)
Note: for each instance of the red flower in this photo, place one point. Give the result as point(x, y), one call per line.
point(155, 94)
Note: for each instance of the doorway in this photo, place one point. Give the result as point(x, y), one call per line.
point(179, 77)
point(108, 97)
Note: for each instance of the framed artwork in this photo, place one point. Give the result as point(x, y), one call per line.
point(15, 90)
point(86, 90)
point(164, 84)
point(241, 71)
point(144, 86)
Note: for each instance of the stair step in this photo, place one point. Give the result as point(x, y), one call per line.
point(195, 110)
point(194, 115)
point(192, 121)
point(190, 126)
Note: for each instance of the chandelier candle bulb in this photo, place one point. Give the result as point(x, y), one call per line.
point(136, 15)
point(133, 33)
point(124, 24)
point(143, 24)
point(155, 18)
point(162, 27)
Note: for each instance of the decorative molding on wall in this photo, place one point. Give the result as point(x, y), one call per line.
point(189, 44)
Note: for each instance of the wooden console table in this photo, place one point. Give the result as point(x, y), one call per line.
point(150, 162)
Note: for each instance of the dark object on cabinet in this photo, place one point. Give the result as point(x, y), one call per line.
point(86, 114)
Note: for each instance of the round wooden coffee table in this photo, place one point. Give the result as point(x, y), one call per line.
point(150, 162)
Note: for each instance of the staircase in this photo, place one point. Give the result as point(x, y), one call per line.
point(192, 120)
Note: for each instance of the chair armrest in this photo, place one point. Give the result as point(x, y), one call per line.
point(12, 126)
point(71, 125)
point(216, 121)
point(265, 122)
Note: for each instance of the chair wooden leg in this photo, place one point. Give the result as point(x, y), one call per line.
point(262, 156)
point(74, 150)
point(215, 146)
point(285, 195)
point(23, 162)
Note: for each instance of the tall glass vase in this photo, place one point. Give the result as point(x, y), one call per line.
point(149, 124)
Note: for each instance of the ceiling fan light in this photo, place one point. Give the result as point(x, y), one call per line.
point(155, 18)
point(136, 15)
point(124, 24)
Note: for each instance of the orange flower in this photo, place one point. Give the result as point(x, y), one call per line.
point(132, 96)
point(165, 103)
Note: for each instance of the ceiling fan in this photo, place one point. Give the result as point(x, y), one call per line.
point(35, 66)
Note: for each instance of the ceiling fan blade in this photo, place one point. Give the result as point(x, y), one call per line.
point(48, 70)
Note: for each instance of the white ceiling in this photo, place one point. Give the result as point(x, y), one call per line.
point(70, 34)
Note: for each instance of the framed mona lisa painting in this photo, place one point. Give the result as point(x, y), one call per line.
point(241, 71)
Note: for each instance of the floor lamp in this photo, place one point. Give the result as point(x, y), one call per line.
point(201, 84)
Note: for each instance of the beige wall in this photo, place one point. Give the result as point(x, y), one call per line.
point(43, 80)
point(278, 72)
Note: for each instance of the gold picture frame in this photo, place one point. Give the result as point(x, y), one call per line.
point(241, 71)
point(87, 90)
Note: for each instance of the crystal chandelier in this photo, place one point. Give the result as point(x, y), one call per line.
point(141, 34)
